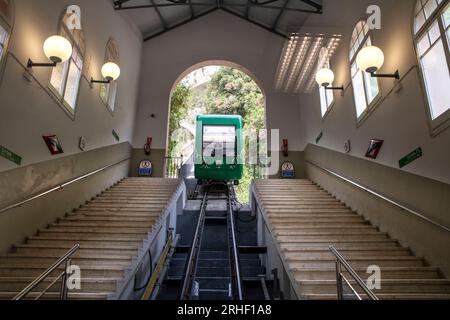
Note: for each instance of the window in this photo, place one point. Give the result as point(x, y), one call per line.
point(219, 142)
point(6, 17)
point(326, 96)
point(66, 77)
point(366, 89)
point(432, 38)
point(108, 92)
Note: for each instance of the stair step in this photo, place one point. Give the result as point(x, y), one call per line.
point(17, 284)
point(348, 254)
point(49, 260)
point(391, 296)
point(105, 223)
point(61, 250)
point(105, 229)
point(80, 235)
point(358, 262)
point(331, 237)
point(386, 273)
point(71, 241)
point(33, 270)
point(390, 286)
point(55, 296)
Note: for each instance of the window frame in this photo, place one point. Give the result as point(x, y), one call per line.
point(106, 102)
point(329, 105)
point(60, 98)
point(370, 107)
point(442, 122)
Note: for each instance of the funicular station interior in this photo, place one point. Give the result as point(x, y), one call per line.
point(349, 196)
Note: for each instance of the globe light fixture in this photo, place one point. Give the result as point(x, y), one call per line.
point(57, 49)
point(371, 59)
point(325, 78)
point(110, 72)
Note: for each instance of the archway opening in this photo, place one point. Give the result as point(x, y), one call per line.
point(212, 88)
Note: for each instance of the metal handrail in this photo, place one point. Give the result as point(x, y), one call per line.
point(340, 261)
point(65, 259)
point(60, 187)
point(383, 197)
point(236, 273)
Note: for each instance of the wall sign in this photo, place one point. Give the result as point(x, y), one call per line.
point(287, 170)
point(413, 156)
point(319, 137)
point(116, 135)
point(53, 144)
point(145, 168)
point(11, 156)
point(374, 148)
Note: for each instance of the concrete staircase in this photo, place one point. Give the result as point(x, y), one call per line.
point(110, 229)
point(305, 220)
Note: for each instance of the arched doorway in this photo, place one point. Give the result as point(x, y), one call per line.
point(212, 87)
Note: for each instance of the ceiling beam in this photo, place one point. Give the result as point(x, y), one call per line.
point(161, 18)
point(209, 4)
point(151, 36)
point(280, 14)
point(280, 34)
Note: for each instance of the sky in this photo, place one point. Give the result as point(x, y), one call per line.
point(200, 76)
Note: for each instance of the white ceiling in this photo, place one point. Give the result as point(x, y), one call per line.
point(277, 15)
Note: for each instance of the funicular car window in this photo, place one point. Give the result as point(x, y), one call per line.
point(219, 141)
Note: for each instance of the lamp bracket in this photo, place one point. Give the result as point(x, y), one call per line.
point(32, 64)
point(395, 75)
point(334, 88)
point(100, 81)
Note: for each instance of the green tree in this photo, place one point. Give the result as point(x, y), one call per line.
point(179, 109)
point(234, 92)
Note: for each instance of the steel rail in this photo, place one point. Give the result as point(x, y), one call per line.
point(191, 269)
point(235, 268)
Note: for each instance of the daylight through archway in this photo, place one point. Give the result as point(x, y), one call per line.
point(212, 89)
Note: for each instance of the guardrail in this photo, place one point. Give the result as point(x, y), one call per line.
point(380, 196)
point(65, 259)
point(60, 187)
point(340, 278)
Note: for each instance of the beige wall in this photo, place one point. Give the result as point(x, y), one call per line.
point(156, 157)
point(216, 36)
point(298, 159)
point(400, 118)
point(429, 197)
point(19, 184)
point(27, 109)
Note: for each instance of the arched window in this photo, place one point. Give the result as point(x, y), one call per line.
point(66, 77)
point(432, 38)
point(6, 22)
point(108, 92)
point(326, 96)
point(366, 90)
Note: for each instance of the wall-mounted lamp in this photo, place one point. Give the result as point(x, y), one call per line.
point(325, 78)
point(110, 72)
point(371, 59)
point(57, 49)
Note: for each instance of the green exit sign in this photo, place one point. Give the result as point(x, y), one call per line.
point(413, 156)
point(11, 156)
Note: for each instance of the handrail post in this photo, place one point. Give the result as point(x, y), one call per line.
point(64, 293)
point(339, 286)
point(66, 260)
